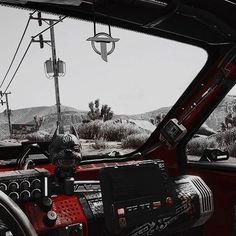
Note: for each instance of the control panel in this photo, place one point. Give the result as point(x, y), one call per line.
point(141, 199)
point(134, 194)
point(24, 185)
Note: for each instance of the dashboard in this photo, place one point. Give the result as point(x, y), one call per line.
point(132, 198)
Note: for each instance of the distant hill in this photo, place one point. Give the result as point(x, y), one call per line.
point(146, 115)
point(213, 123)
point(71, 115)
point(26, 116)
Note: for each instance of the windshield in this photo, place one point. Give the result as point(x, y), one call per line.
point(114, 105)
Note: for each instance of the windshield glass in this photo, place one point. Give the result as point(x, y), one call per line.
point(114, 105)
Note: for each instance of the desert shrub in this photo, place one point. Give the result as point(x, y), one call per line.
point(135, 140)
point(108, 130)
point(118, 131)
point(40, 136)
point(227, 137)
point(90, 130)
point(99, 144)
point(196, 146)
point(232, 150)
point(220, 139)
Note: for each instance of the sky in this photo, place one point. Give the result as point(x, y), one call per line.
point(143, 73)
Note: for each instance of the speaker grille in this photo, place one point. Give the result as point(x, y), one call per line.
point(68, 210)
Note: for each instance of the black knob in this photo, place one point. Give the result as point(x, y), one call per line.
point(25, 195)
point(14, 196)
point(69, 186)
point(46, 203)
point(50, 218)
point(3, 187)
point(36, 193)
point(13, 186)
point(25, 185)
point(36, 183)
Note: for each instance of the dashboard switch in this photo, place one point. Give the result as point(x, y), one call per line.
point(13, 186)
point(50, 218)
point(36, 193)
point(25, 195)
point(46, 203)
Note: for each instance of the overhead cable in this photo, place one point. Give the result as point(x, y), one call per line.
point(17, 68)
point(22, 37)
point(49, 27)
point(26, 53)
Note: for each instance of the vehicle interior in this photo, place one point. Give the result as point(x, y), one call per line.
point(163, 187)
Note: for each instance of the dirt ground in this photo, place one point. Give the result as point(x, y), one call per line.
point(88, 148)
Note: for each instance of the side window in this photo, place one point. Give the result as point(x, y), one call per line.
point(216, 138)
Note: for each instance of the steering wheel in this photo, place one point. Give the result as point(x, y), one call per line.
point(14, 217)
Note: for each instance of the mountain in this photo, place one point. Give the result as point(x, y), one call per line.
point(145, 116)
point(212, 124)
point(71, 115)
point(26, 116)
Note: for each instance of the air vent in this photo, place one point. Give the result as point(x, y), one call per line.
point(206, 194)
point(205, 198)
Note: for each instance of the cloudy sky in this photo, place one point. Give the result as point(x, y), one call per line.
point(143, 73)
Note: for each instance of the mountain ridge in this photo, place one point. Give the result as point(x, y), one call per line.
point(72, 115)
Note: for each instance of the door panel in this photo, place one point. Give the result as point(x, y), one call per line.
point(223, 185)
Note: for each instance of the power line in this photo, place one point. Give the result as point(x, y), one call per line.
point(32, 39)
point(22, 37)
point(17, 68)
point(49, 27)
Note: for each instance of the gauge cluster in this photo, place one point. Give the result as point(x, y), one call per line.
point(25, 185)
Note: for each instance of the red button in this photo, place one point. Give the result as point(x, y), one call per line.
point(156, 205)
point(169, 201)
point(121, 211)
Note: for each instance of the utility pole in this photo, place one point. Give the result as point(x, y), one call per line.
point(8, 111)
point(54, 64)
point(55, 75)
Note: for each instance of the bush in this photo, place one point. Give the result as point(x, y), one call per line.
point(232, 150)
point(196, 146)
point(108, 131)
point(134, 140)
point(226, 138)
point(90, 130)
point(39, 136)
point(118, 131)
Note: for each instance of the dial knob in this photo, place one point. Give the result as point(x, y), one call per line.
point(36, 193)
point(13, 186)
point(25, 184)
point(50, 218)
point(46, 203)
point(3, 187)
point(25, 195)
point(14, 196)
point(36, 183)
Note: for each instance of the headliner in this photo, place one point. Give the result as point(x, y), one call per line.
point(199, 22)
